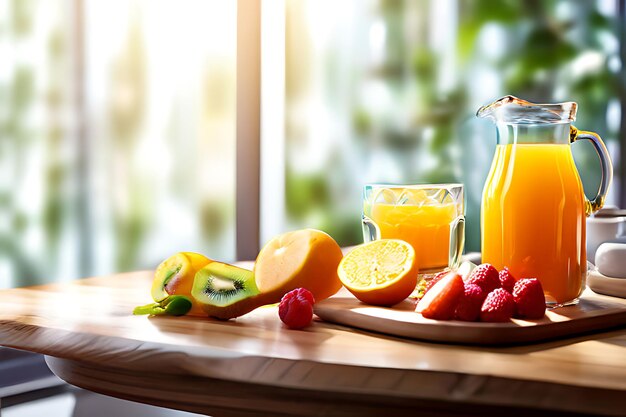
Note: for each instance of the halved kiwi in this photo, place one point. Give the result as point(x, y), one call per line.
point(225, 291)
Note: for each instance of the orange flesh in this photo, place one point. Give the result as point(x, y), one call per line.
point(382, 272)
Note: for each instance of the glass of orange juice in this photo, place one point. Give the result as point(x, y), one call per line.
point(428, 216)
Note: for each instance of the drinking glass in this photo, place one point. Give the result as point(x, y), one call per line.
point(428, 216)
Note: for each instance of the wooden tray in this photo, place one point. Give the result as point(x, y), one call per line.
point(593, 312)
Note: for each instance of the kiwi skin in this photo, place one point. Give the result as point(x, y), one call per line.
point(221, 308)
point(239, 308)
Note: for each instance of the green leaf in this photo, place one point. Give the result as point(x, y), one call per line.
point(174, 305)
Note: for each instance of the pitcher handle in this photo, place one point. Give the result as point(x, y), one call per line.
point(605, 163)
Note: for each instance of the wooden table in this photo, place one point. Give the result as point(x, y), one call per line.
point(255, 366)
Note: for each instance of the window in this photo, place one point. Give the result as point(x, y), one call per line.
point(117, 125)
point(118, 121)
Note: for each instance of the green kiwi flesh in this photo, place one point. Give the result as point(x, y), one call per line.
point(225, 291)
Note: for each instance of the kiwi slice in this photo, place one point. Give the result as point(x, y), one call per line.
point(225, 291)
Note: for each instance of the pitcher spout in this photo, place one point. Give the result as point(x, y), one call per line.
point(513, 110)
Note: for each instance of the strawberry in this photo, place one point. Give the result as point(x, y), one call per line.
point(486, 277)
point(530, 302)
point(296, 308)
point(440, 302)
point(507, 281)
point(435, 280)
point(469, 306)
point(499, 306)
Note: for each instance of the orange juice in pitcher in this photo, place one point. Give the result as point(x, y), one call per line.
point(534, 207)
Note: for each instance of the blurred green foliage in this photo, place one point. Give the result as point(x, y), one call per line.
point(21, 17)
point(126, 110)
point(16, 95)
point(310, 192)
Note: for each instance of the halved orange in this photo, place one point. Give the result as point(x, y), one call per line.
point(382, 272)
point(305, 258)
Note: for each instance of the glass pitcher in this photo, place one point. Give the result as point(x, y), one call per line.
point(534, 207)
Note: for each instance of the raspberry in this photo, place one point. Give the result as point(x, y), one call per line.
point(296, 308)
point(530, 302)
point(507, 281)
point(469, 306)
point(498, 306)
point(486, 277)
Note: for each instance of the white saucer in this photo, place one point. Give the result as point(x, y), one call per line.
point(601, 284)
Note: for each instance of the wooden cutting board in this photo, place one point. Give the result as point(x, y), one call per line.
point(593, 312)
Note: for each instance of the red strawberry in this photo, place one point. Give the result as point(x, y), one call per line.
point(486, 277)
point(530, 302)
point(507, 281)
point(469, 306)
point(296, 308)
point(440, 302)
point(435, 280)
point(499, 306)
